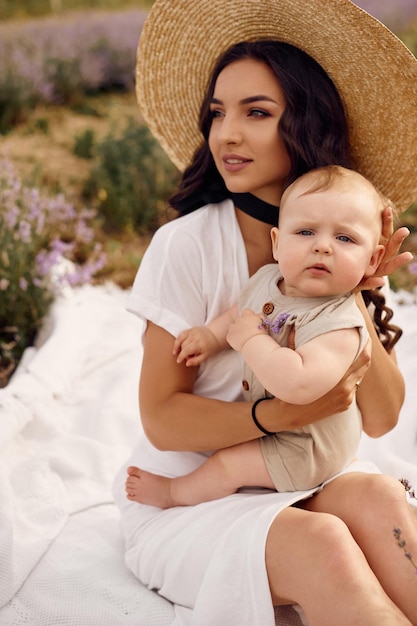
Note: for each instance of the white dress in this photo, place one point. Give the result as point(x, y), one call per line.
point(207, 559)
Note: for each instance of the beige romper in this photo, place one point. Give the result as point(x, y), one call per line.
point(304, 458)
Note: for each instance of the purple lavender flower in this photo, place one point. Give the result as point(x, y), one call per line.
point(10, 216)
point(24, 232)
point(412, 268)
point(46, 260)
point(276, 325)
point(23, 284)
point(408, 487)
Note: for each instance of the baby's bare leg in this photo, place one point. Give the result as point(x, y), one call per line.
point(221, 475)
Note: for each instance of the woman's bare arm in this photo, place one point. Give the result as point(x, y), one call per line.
point(176, 419)
point(381, 394)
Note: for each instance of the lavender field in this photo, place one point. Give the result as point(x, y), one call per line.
point(60, 59)
point(396, 14)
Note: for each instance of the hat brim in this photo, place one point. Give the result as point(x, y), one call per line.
point(374, 72)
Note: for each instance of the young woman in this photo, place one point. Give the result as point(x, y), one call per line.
point(328, 240)
point(270, 112)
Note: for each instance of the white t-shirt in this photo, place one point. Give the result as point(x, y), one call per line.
point(193, 270)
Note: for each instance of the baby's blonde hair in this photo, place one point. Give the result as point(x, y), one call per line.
point(323, 178)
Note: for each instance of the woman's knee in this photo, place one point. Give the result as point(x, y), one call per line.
point(359, 497)
point(329, 536)
point(384, 486)
point(318, 544)
point(377, 493)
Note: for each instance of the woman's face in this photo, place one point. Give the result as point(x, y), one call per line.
point(246, 107)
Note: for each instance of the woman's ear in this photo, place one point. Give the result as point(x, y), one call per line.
point(274, 239)
point(375, 261)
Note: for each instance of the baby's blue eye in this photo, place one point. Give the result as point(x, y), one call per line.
point(305, 233)
point(344, 238)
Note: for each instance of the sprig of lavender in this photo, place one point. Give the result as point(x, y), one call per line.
point(408, 487)
point(276, 325)
point(401, 543)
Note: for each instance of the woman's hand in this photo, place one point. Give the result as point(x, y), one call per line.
point(347, 387)
point(392, 259)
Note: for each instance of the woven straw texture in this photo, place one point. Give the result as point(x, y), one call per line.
point(373, 70)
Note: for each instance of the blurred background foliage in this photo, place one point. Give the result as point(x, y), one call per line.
point(15, 9)
point(67, 84)
point(72, 134)
point(70, 123)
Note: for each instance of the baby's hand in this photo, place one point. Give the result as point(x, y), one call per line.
point(246, 326)
point(195, 345)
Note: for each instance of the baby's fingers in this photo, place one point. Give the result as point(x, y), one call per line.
point(190, 353)
point(178, 341)
point(194, 360)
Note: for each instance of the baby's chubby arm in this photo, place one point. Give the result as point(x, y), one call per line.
point(198, 343)
point(295, 376)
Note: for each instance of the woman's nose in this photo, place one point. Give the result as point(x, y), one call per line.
point(230, 131)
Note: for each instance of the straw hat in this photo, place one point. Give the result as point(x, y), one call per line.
point(374, 72)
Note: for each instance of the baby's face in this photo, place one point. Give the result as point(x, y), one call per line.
point(327, 239)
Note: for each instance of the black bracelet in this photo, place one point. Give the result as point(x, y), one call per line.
point(257, 424)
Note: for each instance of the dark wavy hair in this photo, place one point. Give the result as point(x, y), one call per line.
point(313, 128)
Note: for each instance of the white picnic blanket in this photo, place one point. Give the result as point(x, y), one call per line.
point(68, 419)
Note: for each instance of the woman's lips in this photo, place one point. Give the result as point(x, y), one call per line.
point(234, 162)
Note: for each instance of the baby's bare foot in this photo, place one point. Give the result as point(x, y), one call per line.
point(148, 488)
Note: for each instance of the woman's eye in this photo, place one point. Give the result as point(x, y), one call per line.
point(216, 113)
point(258, 113)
